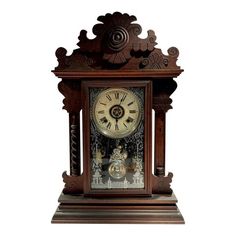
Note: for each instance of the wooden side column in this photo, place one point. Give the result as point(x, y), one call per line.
point(74, 129)
point(160, 120)
point(162, 89)
point(72, 103)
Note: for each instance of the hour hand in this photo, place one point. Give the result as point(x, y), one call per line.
point(116, 125)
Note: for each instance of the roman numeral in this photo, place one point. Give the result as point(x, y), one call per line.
point(103, 119)
point(125, 125)
point(116, 127)
point(108, 97)
point(109, 125)
point(117, 95)
point(104, 104)
point(132, 111)
point(123, 97)
point(101, 112)
point(130, 103)
point(130, 119)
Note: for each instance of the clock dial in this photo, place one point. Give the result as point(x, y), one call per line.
point(116, 112)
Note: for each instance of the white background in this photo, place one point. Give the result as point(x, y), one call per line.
point(200, 129)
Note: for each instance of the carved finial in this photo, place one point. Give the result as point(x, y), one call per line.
point(61, 57)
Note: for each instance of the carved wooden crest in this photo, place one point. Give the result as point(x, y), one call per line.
point(117, 47)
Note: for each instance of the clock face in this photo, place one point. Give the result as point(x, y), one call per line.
point(116, 112)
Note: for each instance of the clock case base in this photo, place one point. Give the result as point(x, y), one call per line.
point(160, 208)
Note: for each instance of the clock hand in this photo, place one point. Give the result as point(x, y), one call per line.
point(116, 125)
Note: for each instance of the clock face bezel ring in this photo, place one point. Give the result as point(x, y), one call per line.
point(111, 134)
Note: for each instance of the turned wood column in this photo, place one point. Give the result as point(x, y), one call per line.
point(74, 132)
point(162, 89)
point(72, 103)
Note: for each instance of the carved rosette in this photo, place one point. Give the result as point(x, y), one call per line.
point(157, 60)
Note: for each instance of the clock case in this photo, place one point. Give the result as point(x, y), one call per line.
point(117, 57)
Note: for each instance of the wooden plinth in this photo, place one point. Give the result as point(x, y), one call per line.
point(158, 209)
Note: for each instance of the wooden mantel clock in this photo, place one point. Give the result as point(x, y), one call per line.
point(116, 80)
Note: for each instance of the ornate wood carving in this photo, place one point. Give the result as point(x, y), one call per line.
point(161, 184)
point(73, 184)
point(72, 93)
point(116, 38)
point(162, 103)
point(162, 90)
point(116, 46)
point(157, 60)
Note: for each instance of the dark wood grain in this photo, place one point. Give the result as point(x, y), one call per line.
point(158, 209)
point(162, 89)
point(73, 183)
point(116, 47)
point(117, 57)
point(74, 129)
